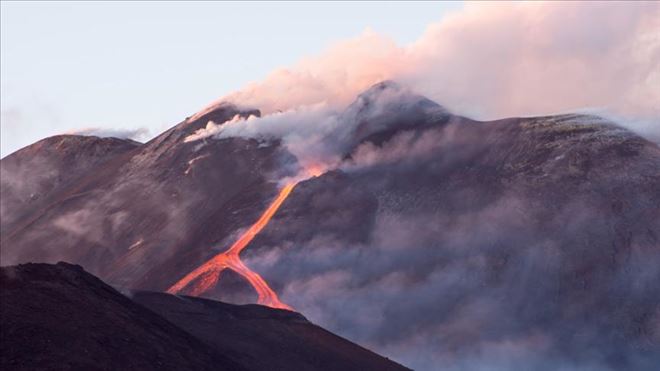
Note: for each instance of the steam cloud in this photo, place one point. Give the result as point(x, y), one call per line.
point(491, 61)
point(319, 135)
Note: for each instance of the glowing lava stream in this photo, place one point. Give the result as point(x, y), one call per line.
point(209, 272)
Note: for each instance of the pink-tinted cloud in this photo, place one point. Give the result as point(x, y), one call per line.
point(494, 60)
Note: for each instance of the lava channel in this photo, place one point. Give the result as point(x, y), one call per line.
point(206, 276)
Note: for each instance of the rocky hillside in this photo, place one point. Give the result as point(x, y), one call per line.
point(59, 317)
point(166, 202)
point(35, 174)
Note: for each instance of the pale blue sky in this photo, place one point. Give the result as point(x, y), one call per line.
point(72, 65)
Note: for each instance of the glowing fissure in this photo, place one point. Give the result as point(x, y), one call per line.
point(207, 275)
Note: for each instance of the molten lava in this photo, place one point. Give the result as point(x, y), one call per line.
point(207, 275)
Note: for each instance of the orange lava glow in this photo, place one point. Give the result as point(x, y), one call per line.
point(314, 170)
point(207, 275)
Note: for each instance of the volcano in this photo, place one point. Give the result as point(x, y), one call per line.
point(437, 240)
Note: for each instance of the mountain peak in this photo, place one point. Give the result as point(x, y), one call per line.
point(381, 86)
point(388, 92)
point(388, 105)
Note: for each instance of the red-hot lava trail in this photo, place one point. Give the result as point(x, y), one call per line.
point(206, 276)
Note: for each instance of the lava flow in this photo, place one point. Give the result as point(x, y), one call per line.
point(208, 274)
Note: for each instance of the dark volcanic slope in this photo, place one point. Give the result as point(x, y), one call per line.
point(58, 317)
point(263, 338)
point(529, 243)
point(31, 177)
point(61, 317)
point(147, 217)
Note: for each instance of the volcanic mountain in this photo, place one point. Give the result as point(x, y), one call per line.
point(438, 240)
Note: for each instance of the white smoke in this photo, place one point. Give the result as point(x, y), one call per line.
point(495, 60)
point(305, 131)
point(318, 134)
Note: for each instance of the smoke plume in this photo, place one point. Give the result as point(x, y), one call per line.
point(490, 61)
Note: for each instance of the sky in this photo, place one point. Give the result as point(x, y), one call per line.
point(72, 66)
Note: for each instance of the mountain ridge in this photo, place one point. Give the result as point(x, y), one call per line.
point(77, 321)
